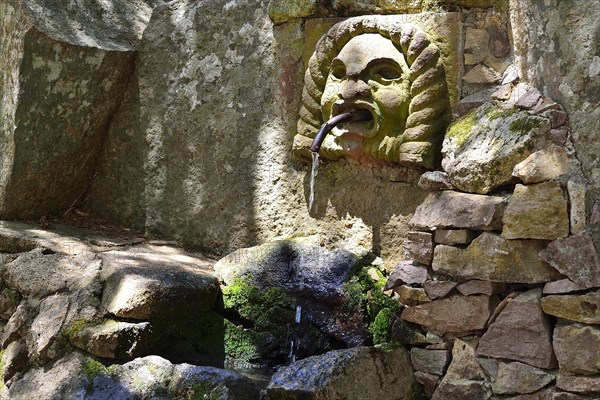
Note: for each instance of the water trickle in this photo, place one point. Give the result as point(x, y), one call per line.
point(294, 343)
point(313, 174)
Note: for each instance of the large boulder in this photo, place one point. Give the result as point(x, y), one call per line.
point(347, 374)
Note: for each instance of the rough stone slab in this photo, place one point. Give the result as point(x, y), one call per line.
point(492, 258)
point(38, 275)
point(480, 287)
point(434, 181)
point(14, 359)
point(18, 323)
point(114, 339)
point(519, 378)
point(419, 246)
point(578, 384)
point(281, 11)
point(430, 361)
point(438, 289)
point(455, 314)
point(410, 296)
point(477, 42)
point(563, 286)
point(48, 323)
point(575, 257)
point(151, 282)
point(465, 377)
point(482, 148)
point(449, 209)
point(521, 332)
point(429, 381)
point(511, 75)
point(481, 74)
point(558, 136)
point(346, 374)
point(536, 212)
point(545, 165)
point(407, 333)
point(577, 190)
point(454, 236)
point(406, 272)
point(583, 308)
point(577, 348)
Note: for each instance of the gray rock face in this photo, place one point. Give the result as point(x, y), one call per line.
point(536, 212)
point(482, 148)
point(578, 196)
point(578, 384)
point(346, 374)
point(141, 283)
point(114, 339)
point(563, 286)
point(405, 272)
point(449, 209)
point(437, 289)
point(519, 378)
point(465, 377)
point(456, 314)
point(490, 257)
point(480, 287)
point(521, 332)
point(47, 324)
point(577, 348)
point(454, 236)
point(14, 359)
point(434, 181)
point(575, 257)
point(419, 246)
point(430, 361)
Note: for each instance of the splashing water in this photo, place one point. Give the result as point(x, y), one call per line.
point(313, 174)
point(294, 342)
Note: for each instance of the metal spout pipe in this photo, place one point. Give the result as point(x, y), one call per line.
point(354, 116)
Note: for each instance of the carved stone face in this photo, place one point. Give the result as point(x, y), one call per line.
point(369, 73)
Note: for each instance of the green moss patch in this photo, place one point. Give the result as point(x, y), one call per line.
point(462, 129)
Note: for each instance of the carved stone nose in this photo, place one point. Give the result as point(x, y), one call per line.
point(354, 88)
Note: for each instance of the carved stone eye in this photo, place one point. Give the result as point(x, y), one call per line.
point(338, 71)
point(388, 72)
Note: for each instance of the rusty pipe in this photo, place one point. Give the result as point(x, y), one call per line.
point(354, 116)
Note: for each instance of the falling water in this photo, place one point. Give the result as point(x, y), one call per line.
point(313, 174)
point(294, 342)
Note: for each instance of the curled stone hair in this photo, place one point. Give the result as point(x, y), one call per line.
point(419, 144)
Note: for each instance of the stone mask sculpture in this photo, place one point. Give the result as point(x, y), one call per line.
point(391, 70)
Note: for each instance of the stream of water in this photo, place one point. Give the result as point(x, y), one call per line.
point(294, 342)
point(313, 174)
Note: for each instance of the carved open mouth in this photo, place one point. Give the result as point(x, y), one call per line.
point(366, 127)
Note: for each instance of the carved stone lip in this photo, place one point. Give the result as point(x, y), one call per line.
point(364, 128)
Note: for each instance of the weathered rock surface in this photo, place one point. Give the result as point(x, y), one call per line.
point(419, 246)
point(563, 286)
point(454, 236)
point(519, 378)
point(14, 359)
point(575, 257)
point(583, 308)
point(521, 332)
point(482, 148)
point(456, 314)
point(578, 384)
point(411, 296)
point(577, 348)
point(434, 181)
point(544, 165)
point(429, 382)
point(346, 374)
point(406, 272)
point(437, 289)
point(47, 324)
point(491, 257)
point(536, 212)
point(465, 377)
point(480, 287)
point(114, 339)
point(449, 209)
point(577, 190)
point(430, 361)
point(151, 282)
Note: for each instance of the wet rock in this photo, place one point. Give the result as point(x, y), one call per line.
point(577, 348)
point(48, 323)
point(430, 361)
point(114, 339)
point(544, 165)
point(521, 332)
point(434, 181)
point(482, 148)
point(438, 289)
point(519, 378)
point(150, 282)
point(449, 209)
point(419, 246)
point(536, 212)
point(480, 287)
point(14, 359)
point(575, 257)
point(577, 190)
point(455, 314)
point(346, 374)
point(492, 258)
point(39, 275)
point(410, 296)
point(583, 308)
point(406, 272)
point(465, 377)
point(578, 384)
point(454, 236)
point(563, 286)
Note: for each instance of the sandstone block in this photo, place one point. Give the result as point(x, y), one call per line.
point(519, 378)
point(438, 289)
point(577, 348)
point(454, 236)
point(544, 165)
point(583, 308)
